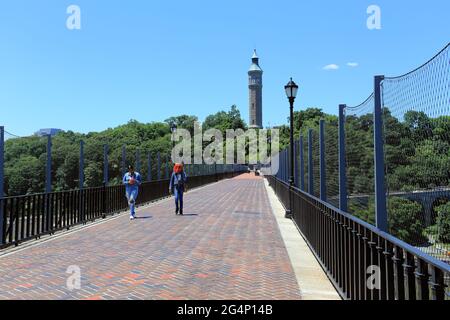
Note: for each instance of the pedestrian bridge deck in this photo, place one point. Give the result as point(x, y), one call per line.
point(228, 245)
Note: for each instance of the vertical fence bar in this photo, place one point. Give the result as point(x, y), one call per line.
point(105, 165)
point(158, 165)
point(380, 189)
point(310, 163)
point(149, 163)
point(302, 165)
point(409, 266)
point(342, 161)
point(323, 178)
point(2, 179)
point(48, 182)
point(81, 166)
point(437, 284)
point(48, 169)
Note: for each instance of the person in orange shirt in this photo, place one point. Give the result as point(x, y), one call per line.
point(177, 186)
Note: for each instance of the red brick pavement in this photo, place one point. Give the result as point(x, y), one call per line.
point(227, 246)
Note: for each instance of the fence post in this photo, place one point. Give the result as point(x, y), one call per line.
point(124, 159)
point(2, 178)
point(310, 163)
point(149, 161)
point(105, 180)
point(81, 166)
point(323, 167)
point(48, 169)
point(138, 161)
point(48, 183)
point(158, 165)
point(302, 165)
point(105, 165)
point(380, 188)
point(342, 161)
point(105, 201)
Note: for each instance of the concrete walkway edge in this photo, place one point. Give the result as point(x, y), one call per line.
point(312, 280)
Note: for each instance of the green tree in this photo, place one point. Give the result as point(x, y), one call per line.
point(184, 122)
point(24, 176)
point(405, 220)
point(443, 223)
point(223, 120)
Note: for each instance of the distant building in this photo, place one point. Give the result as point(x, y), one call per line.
point(45, 132)
point(255, 93)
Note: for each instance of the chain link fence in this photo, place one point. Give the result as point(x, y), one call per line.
point(417, 155)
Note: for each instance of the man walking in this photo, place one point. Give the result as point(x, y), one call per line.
point(177, 186)
point(132, 180)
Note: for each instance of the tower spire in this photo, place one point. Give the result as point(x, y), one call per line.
point(255, 58)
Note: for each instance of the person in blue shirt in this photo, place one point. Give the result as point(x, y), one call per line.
point(177, 187)
point(132, 180)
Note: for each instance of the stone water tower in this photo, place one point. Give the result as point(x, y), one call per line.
point(255, 93)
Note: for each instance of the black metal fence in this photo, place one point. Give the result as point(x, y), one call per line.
point(31, 216)
point(363, 262)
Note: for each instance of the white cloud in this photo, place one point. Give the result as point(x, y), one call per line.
point(353, 64)
point(331, 67)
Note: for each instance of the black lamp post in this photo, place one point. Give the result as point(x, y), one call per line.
point(291, 92)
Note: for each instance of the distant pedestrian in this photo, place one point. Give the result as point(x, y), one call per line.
point(132, 180)
point(177, 186)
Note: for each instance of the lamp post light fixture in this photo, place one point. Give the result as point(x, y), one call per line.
point(291, 92)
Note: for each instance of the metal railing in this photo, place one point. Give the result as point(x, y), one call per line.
point(31, 216)
point(363, 262)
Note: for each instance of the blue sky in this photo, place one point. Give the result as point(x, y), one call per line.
point(149, 60)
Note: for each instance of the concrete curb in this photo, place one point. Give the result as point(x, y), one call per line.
point(312, 280)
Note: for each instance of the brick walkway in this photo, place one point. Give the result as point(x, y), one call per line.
point(227, 246)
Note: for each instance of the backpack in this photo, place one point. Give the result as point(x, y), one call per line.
point(181, 180)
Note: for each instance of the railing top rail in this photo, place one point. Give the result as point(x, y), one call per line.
point(395, 241)
point(420, 67)
point(77, 189)
point(48, 193)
